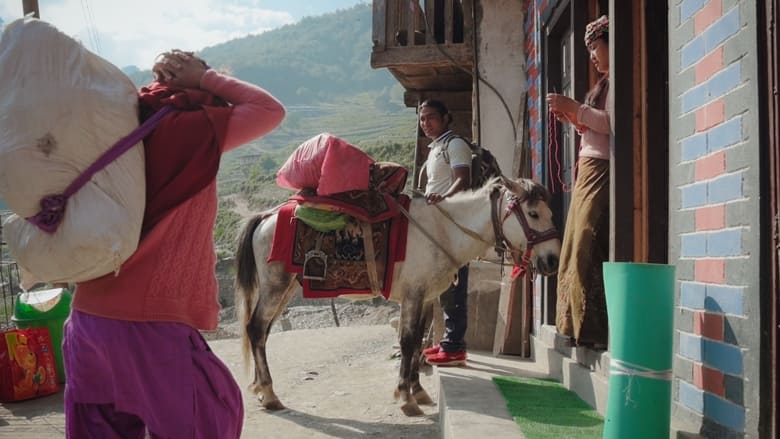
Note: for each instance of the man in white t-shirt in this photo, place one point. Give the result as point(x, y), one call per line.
point(448, 171)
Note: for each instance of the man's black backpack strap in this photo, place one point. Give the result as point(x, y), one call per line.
point(484, 165)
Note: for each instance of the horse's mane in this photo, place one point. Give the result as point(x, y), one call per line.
point(534, 192)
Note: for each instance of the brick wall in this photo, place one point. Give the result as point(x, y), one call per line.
point(713, 204)
point(714, 215)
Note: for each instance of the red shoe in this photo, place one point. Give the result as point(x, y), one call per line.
point(432, 350)
point(442, 358)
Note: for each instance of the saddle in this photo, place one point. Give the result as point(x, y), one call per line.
point(357, 258)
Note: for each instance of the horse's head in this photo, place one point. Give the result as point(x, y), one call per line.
point(523, 221)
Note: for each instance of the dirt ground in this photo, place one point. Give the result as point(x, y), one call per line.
point(336, 382)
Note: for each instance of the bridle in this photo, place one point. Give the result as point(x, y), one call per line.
point(532, 236)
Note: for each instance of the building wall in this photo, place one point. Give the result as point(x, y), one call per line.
point(714, 223)
point(713, 206)
point(501, 63)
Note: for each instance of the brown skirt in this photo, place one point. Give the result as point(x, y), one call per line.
point(581, 308)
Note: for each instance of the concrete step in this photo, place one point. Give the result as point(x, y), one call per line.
point(470, 404)
point(583, 371)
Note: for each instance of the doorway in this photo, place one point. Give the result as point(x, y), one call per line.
point(769, 56)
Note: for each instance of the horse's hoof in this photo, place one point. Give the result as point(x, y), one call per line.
point(423, 398)
point(274, 405)
point(412, 409)
point(397, 394)
point(255, 389)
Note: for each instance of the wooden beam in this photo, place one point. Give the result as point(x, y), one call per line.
point(769, 409)
point(455, 100)
point(640, 139)
point(430, 55)
point(621, 186)
point(378, 30)
point(449, 30)
point(31, 7)
point(655, 148)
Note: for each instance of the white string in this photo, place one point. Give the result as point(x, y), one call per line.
point(619, 367)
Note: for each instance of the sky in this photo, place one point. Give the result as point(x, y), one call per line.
point(133, 32)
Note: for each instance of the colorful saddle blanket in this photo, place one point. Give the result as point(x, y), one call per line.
point(339, 263)
point(344, 269)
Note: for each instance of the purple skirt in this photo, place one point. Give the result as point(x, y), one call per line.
point(162, 372)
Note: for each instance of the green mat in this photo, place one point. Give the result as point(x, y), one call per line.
point(545, 409)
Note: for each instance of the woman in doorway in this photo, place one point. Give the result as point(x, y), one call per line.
point(581, 309)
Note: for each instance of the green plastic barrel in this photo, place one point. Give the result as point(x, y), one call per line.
point(45, 308)
point(640, 305)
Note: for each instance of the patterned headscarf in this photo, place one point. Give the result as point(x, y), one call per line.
point(596, 29)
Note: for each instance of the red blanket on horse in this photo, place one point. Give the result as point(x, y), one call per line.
point(338, 259)
point(347, 271)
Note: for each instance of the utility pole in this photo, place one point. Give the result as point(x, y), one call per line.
point(31, 6)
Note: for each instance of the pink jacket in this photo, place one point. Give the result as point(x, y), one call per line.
point(171, 275)
point(595, 140)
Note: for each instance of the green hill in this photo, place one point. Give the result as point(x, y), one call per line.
point(319, 68)
point(311, 61)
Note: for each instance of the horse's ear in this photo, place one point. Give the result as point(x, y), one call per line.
point(509, 183)
point(521, 187)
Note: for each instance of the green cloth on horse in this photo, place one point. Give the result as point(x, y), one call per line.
point(321, 220)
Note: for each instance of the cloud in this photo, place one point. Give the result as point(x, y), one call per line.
point(134, 32)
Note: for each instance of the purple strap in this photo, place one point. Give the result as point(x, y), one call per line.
point(53, 206)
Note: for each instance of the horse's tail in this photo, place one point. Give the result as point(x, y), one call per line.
point(246, 279)
point(246, 266)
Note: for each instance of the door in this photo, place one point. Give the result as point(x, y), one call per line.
point(560, 155)
point(770, 132)
point(567, 71)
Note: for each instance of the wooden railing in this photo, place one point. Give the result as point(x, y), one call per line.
point(407, 23)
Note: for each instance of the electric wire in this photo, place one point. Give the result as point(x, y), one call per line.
point(478, 76)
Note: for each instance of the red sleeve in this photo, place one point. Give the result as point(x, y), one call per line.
point(255, 111)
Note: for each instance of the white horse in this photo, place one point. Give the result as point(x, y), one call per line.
point(509, 214)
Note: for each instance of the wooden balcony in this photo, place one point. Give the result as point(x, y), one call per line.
point(425, 44)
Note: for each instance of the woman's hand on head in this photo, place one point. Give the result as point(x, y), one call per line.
point(179, 69)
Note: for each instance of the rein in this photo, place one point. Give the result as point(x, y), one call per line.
point(424, 232)
point(472, 234)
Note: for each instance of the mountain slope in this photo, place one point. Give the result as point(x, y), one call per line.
point(320, 69)
point(315, 59)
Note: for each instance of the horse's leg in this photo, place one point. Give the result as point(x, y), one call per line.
point(411, 338)
point(272, 299)
point(419, 394)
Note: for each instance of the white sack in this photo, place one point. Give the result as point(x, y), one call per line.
point(61, 107)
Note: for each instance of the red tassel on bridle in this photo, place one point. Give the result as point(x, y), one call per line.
point(522, 269)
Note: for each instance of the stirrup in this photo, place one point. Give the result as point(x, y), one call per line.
point(319, 258)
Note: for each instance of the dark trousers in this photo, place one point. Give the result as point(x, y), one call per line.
point(454, 303)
